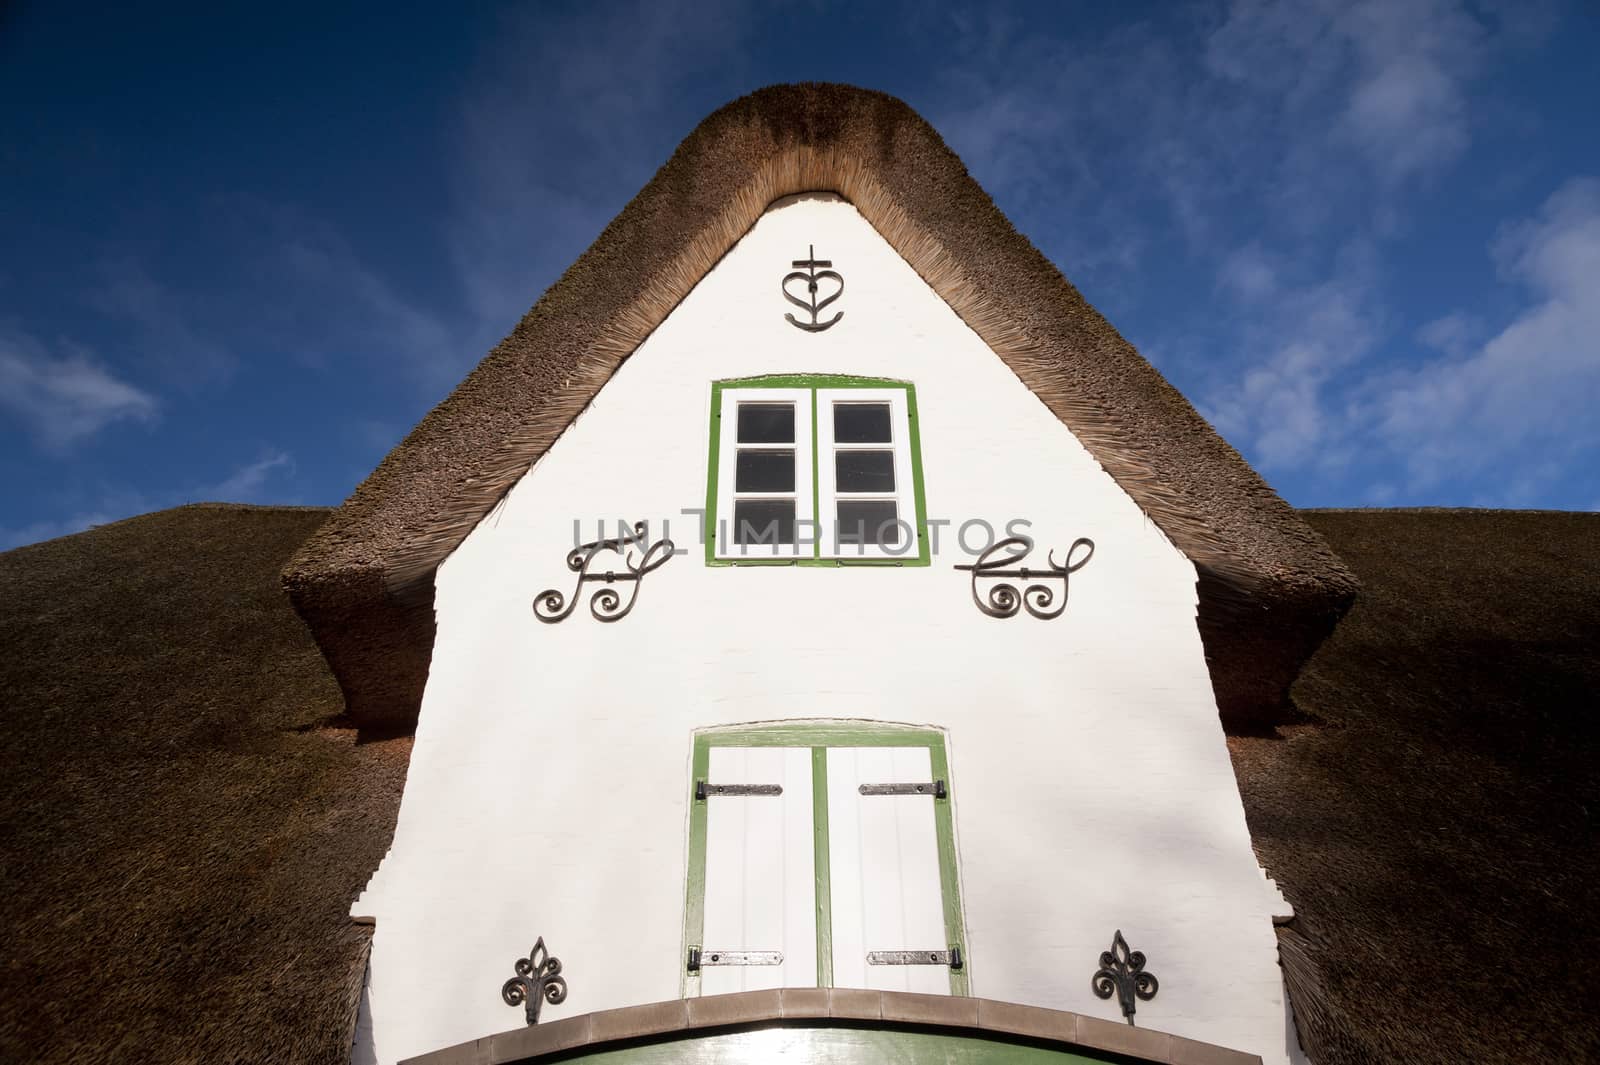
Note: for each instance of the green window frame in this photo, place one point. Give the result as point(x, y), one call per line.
point(820, 737)
point(812, 383)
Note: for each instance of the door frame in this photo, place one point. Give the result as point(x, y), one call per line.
point(819, 736)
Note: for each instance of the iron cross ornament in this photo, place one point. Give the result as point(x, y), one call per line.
point(807, 270)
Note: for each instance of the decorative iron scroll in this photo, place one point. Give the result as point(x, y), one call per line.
point(638, 555)
point(1122, 971)
point(1003, 600)
point(806, 270)
point(538, 981)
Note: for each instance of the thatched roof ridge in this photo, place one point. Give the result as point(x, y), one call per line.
point(1270, 588)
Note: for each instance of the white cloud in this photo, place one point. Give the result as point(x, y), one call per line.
point(39, 531)
point(110, 503)
point(549, 148)
point(1409, 115)
point(1414, 59)
point(1505, 415)
point(1527, 396)
point(333, 307)
point(246, 484)
point(262, 481)
point(160, 323)
point(63, 399)
point(1396, 73)
point(1277, 409)
point(1265, 124)
point(1296, 138)
point(1251, 274)
point(1560, 249)
point(1451, 334)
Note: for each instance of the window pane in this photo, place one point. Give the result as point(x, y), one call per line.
point(766, 423)
point(861, 423)
point(868, 521)
point(864, 471)
point(764, 471)
point(763, 521)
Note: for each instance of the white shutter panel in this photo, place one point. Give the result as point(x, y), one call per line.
point(760, 887)
point(884, 856)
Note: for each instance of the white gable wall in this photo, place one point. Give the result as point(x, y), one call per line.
point(549, 784)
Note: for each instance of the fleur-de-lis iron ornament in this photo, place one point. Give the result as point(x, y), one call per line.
point(1003, 600)
point(1122, 971)
point(538, 981)
point(807, 270)
point(638, 555)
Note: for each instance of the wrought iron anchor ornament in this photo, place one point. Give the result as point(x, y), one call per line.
point(538, 981)
point(806, 270)
point(1122, 972)
point(1003, 600)
point(639, 556)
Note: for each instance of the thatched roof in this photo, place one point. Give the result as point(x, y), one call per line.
point(1269, 587)
point(181, 830)
point(1432, 819)
point(183, 825)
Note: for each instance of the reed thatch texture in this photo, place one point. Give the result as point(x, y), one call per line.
point(181, 833)
point(1269, 587)
point(1433, 818)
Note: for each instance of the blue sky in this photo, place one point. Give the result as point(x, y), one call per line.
point(246, 250)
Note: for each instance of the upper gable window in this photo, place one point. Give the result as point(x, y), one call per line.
point(815, 469)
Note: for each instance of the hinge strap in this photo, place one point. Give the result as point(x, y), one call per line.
point(699, 958)
point(703, 789)
point(951, 957)
point(935, 788)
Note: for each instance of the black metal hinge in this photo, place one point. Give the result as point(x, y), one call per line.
point(951, 957)
point(935, 788)
point(699, 958)
point(702, 789)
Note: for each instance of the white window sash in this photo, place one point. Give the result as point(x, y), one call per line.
point(828, 495)
point(728, 457)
